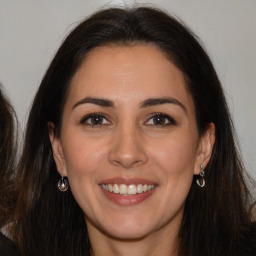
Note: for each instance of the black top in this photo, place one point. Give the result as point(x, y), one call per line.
point(7, 247)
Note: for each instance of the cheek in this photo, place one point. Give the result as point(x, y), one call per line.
point(175, 154)
point(175, 159)
point(82, 157)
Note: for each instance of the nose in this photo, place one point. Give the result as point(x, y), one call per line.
point(127, 149)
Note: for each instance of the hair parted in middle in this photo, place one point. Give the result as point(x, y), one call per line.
point(50, 222)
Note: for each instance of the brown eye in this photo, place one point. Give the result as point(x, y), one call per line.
point(94, 120)
point(160, 119)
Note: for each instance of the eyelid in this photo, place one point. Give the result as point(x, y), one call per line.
point(88, 116)
point(171, 120)
point(84, 119)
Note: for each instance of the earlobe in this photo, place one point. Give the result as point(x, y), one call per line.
point(205, 148)
point(57, 150)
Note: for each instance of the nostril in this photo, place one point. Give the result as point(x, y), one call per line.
point(127, 161)
point(127, 149)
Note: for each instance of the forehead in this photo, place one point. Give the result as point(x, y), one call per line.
point(128, 73)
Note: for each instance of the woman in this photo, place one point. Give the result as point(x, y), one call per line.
point(130, 149)
point(7, 169)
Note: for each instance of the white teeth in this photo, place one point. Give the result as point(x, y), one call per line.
point(123, 189)
point(139, 188)
point(116, 189)
point(150, 187)
point(130, 189)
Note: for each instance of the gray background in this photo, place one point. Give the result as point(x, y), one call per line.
point(31, 31)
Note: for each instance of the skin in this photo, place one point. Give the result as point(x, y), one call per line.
point(129, 143)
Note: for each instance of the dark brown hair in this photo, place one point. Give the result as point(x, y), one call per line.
point(7, 158)
point(216, 221)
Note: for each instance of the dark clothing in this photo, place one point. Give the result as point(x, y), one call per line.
point(7, 247)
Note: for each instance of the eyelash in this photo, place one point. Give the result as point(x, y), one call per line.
point(170, 120)
point(153, 116)
point(85, 119)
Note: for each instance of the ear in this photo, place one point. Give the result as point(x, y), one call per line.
point(57, 150)
point(205, 147)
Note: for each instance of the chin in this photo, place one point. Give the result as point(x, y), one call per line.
point(128, 229)
point(127, 234)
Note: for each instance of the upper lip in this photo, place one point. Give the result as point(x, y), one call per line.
point(127, 181)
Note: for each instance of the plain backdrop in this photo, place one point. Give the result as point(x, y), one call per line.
point(31, 32)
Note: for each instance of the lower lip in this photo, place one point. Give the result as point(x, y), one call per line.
point(127, 200)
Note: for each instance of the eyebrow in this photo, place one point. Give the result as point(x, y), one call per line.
point(96, 101)
point(161, 101)
point(147, 103)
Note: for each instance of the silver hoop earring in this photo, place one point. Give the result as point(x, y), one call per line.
point(63, 184)
point(200, 180)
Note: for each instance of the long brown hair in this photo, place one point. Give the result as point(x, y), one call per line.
point(217, 219)
point(8, 140)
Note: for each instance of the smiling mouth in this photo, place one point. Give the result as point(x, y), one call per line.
point(127, 190)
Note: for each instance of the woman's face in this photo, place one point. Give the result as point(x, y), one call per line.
point(129, 143)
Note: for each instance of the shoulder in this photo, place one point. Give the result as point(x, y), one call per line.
point(7, 247)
